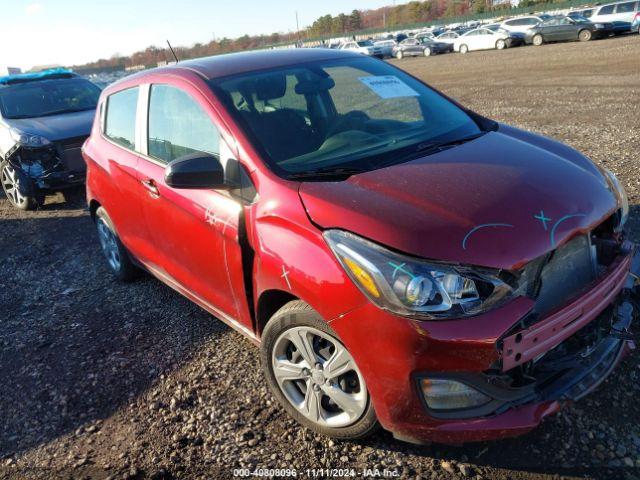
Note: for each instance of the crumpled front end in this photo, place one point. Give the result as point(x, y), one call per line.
point(514, 365)
point(50, 167)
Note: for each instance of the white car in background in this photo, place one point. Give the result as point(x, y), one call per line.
point(523, 24)
point(447, 37)
point(616, 12)
point(385, 46)
point(364, 47)
point(481, 39)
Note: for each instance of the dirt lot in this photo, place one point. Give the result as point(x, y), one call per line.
point(100, 380)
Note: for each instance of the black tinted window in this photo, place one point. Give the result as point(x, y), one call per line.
point(606, 10)
point(120, 123)
point(178, 126)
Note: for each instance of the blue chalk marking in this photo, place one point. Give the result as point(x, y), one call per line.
point(485, 225)
point(398, 268)
point(543, 219)
point(566, 217)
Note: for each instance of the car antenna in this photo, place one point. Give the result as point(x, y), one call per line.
point(174, 53)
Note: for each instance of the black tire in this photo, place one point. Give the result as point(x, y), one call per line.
point(585, 35)
point(124, 269)
point(299, 314)
point(10, 179)
point(537, 40)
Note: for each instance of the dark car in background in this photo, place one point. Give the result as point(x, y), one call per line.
point(412, 47)
point(564, 28)
point(45, 118)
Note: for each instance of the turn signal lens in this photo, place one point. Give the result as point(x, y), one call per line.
point(362, 276)
point(443, 394)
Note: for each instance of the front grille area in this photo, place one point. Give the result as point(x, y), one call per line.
point(569, 270)
point(71, 154)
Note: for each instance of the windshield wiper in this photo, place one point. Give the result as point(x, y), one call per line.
point(427, 148)
point(339, 173)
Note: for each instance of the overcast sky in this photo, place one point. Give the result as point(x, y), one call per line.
point(37, 32)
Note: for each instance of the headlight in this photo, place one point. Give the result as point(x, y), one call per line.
point(28, 140)
point(441, 394)
point(621, 197)
point(413, 287)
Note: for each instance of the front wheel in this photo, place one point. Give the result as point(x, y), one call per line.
point(500, 44)
point(464, 49)
point(12, 184)
point(399, 55)
point(537, 40)
point(313, 375)
point(427, 52)
point(584, 35)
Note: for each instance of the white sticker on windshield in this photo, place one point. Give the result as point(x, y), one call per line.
point(389, 86)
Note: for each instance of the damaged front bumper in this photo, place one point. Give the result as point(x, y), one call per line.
point(582, 342)
point(49, 168)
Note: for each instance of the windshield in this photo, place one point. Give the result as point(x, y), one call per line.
point(365, 44)
point(48, 97)
point(357, 113)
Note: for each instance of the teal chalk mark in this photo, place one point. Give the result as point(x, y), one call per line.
point(544, 219)
point(555, 226)
point(399, 268)
point(484, 225)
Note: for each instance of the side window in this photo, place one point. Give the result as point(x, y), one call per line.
point(120, 120)
point(606, 10)
point(625, 7)
point(178, 126)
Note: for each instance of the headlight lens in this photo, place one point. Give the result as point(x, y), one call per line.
point(441, 394)
point(413, 287)
point(621, 197)
point(28, 140)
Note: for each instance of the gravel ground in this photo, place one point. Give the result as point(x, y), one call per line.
point(102, 380)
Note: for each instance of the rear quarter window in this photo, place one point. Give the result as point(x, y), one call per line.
point(120, 119)
point(606, 10)
point(626, 7)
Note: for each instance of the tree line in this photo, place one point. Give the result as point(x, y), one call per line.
point(326, 26)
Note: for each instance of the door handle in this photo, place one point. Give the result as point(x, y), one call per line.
point(150, 186)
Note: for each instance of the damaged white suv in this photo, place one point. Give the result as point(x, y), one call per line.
point(45, 118)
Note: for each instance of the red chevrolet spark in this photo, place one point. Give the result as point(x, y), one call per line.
point(399, 259)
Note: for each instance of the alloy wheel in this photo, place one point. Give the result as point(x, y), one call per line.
point(427, 52)
point(319, 377)
point(109, 245)
point(11, 186)
point(500, 44)
point(537, 40)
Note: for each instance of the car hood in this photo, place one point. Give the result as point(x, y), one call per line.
point(56, 127)
point(499, 201)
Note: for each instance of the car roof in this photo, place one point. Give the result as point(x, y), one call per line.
point(50, 74)
point(235, 63)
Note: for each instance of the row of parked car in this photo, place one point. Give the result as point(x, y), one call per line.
point(577, 25)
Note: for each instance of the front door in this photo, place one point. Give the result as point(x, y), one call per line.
point(195, 230)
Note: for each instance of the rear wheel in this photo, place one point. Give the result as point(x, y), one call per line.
point(464, 49)
point(12, 184)
point(584, 35)
point(113, 250)
point(500, 44)
point(537, 40)
point(313, 375)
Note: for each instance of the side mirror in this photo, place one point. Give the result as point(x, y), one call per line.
point(196, 170)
